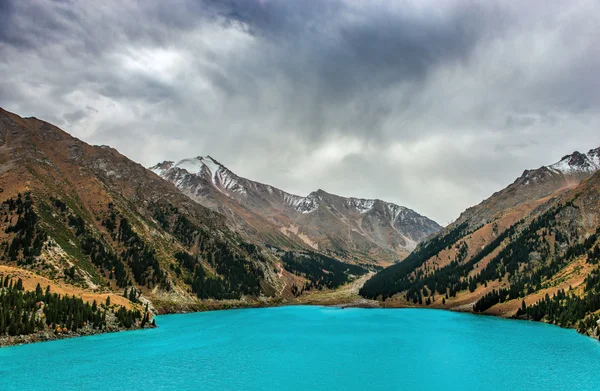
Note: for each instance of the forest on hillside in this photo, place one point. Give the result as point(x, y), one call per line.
point(26, 312)
point(528, 255)
point(320, 270)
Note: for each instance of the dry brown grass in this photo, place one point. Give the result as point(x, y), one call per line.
point(30, 281)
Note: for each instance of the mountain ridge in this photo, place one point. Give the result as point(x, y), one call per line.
point(315, 216)
point(534, 184)
point(530, 251)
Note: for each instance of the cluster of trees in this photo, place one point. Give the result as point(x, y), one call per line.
point(162, 214)
point(399, 277)
point(238, 270)
point(321, 270)
point(26, 312)
point(531, 276)
point(28, 238)
point(490, 299)
point(141, 258)
point(297, 291)
point(137, 254)
point(455, 277)
point(236, 280)
point(169, 218)
point(74, 220)
point(563, 309)
point(237, 274)
point(594, 256)
point(518, 250)
point(241, 275)
point(590, 325)
point(100, 254)
point(105, 259)
point(77, 223)
point(127, 318)
point(568, 309)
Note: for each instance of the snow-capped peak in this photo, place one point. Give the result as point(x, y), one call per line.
point(320, 214)
point(594, 156)
point(192, 165)
point(195, 165)
point(223, 180)
point(161, 168)
point(578, 162)
point(203, 167)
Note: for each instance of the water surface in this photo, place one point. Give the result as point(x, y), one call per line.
point(313, 348)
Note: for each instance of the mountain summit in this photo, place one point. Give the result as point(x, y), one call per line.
point(534, 185)
point(578, 162)
point(350, 227)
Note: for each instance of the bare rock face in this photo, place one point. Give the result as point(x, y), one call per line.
point(351, 227)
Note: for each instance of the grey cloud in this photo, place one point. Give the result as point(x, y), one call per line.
point(434, 105)
point(75, 116)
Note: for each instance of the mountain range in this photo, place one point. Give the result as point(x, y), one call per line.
point(354, 229)
point(193, 235)
point(87, 219)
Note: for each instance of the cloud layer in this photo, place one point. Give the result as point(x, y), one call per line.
point(433, 105)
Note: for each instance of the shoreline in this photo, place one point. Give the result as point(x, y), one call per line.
point(47, 336)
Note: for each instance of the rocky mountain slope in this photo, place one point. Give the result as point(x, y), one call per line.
point(350, 228)
point(530, 250)
point(89, 222)
point(533, 185)
point(88, 217)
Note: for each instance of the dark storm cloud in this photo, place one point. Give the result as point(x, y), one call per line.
point(430, 104)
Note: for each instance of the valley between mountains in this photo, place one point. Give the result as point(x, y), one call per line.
point(91, 241)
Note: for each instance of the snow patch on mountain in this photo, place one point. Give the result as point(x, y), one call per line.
point(594, 156)
point(291, 199)
point(193, 166)
point(161, 168)
point(578, 162)
point(201, 177)
point(362, 205)
point(308, 204)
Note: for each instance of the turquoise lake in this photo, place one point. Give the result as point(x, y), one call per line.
point(313, 348)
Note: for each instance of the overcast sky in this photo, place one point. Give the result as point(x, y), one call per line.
point(433, 105)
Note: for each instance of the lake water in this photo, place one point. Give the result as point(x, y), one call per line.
point(313, 348)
